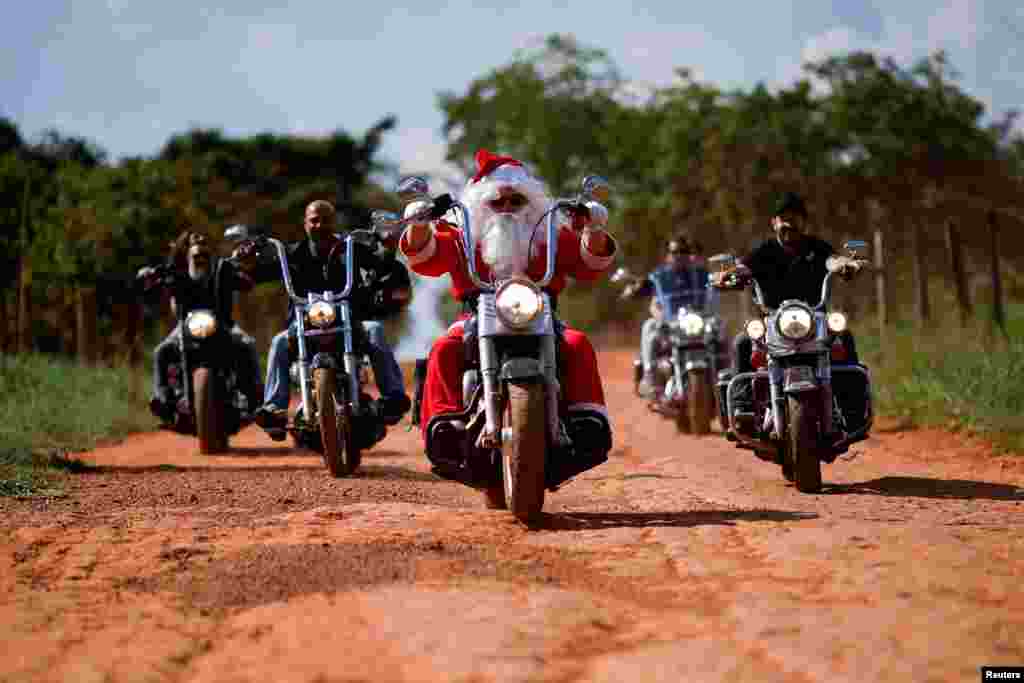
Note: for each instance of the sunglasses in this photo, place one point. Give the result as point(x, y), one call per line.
point(512, 202)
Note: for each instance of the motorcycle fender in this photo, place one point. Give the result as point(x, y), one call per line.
point(323, 360)
point(799, 378)
point(519, 370)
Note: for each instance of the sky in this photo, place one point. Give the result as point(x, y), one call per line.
point(128, 74)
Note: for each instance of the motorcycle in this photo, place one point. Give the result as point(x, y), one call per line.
point(687, 354)
point(335, 417)
point(514, 443)
point(204, 382)
point(798, 357)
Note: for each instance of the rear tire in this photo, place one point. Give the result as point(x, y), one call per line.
point(682, 419)
point(336, 453)
point(804, 418)
point(494, 497)
point(208, 412)
point(698, 402)
point(523, 455)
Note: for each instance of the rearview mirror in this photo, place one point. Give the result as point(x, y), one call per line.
point(384, 219)
point(854, 246)
point(596, 187)
point(723, 260)
point(621, 274)
point(237, 233)
point(412, 187)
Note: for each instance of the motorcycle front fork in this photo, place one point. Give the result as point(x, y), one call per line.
point(776, 378)
point(490, 437)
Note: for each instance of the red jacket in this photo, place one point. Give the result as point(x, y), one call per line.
point(444, 254)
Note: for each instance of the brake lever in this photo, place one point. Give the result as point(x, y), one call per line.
point(442, 204)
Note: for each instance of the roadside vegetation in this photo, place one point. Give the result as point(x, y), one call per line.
point(961, 378)
point(50, 407)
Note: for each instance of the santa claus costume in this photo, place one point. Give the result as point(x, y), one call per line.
point(507, 243)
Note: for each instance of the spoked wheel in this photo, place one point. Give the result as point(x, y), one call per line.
point(802, 446)
point(523, 453)
point(333, 432)
point(209, 413)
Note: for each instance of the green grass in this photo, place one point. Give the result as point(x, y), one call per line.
point(50, 406)
point(953, 376)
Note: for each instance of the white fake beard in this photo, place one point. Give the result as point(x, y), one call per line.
point(505, 245)
point(197, 274)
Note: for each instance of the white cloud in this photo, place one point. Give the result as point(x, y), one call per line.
point(955, 23)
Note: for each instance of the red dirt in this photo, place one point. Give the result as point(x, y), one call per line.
point(680, 559)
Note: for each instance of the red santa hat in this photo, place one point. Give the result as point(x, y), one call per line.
point(486, 163)
point(498, 175)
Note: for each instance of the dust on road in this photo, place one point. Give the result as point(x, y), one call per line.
point(680, 559)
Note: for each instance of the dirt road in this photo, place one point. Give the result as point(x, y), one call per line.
point(682, 559)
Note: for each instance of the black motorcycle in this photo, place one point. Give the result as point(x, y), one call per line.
point(204, 381)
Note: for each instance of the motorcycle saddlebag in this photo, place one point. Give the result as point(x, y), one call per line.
point(851, 386)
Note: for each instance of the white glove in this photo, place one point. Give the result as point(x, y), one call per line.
point(598, 214)
point(415, 207)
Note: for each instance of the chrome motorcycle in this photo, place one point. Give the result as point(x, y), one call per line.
point(798, 421)
point(687, 355)
point(335, 417)
point(514, 442)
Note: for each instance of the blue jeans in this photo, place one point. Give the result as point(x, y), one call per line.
point(382, 359)
point(648, 333)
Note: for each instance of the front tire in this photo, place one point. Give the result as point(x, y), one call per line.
point(494, 496)
point(523, 455)
point(802, 446)
point(209, 413)
point(334, 433)
point(698, 402)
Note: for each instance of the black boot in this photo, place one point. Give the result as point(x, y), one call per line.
point(743, 420)
point(591, 438)
point(392, 409)
point(162, 406)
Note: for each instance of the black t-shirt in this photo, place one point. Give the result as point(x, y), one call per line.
point(783, 275)
point(215, 292)
point(312, 273)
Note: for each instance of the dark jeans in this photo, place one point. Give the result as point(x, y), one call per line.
point(248, 365)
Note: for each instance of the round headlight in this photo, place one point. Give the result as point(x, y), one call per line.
point(691, 324)
point(201, 324)
point(836, 322)
point(756, 329)
point(518, 303)
point(795, 322)
point(321, 314)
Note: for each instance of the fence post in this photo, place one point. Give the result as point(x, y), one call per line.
point(956, 262)
point(880, 291)
point(25, 340)
point(922, 304)
point(85, 324)
point(998, 313)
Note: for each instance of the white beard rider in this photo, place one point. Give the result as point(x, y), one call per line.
point(198, 264)
point(508, 239)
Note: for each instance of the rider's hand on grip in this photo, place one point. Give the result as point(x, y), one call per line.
point(597, 214)
point(442, 204)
